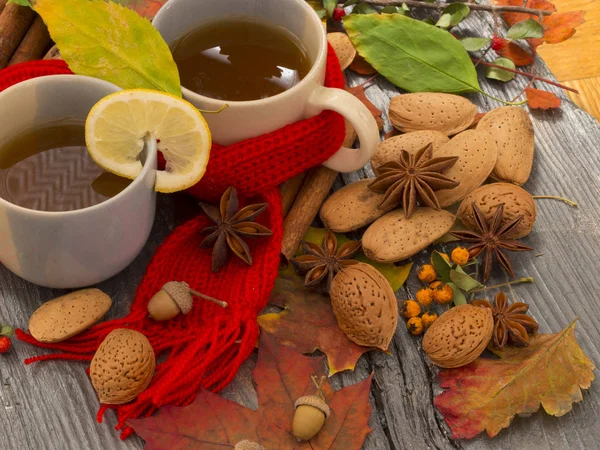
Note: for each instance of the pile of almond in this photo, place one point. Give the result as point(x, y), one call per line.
point(495, 157)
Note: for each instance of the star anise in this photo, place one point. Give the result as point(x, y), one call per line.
point(231, 226)
point(511, 323)
point(413, 177)
point(490, 237)
point(325, 261)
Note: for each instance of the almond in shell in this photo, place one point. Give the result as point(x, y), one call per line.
point(511, 128)
point(344, 49)
point(390, 149)
point(393, 237)
point(446, 113)
point(365, 306)
point(517, 202)
point(459, 336)
point(352, 207)
point(477, 153)
point(69, 315)
point(122, 367)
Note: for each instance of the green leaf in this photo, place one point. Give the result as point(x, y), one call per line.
point(526, 29)
point(463, 280)
point(329, 6)
point(442, 267)
point(498, 74)
point(458, 297)
point(20, 2)
point(413, 55)
point(107, 41)
point(394, 10)
point(396, 275)
point(364, 8)
point(452, 15)
point(473, 44)
point(350, 3)
point(7, 331)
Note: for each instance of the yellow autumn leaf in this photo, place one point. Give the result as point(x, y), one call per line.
point(107, 41)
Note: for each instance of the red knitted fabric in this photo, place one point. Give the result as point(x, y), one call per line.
point(206, 347)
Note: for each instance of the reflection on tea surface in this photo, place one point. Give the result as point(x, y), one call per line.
point(49, 169)
point(240, 59)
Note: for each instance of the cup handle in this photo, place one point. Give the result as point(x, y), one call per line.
point(347, 159)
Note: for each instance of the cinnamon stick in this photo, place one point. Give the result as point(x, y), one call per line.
point(15, 20)
point(34, 44)
point(306, 206)
point(290, 191)
point(2, 4)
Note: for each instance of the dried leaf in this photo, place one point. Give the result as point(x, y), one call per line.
point(434, 62)
point(359, 92)
point(361, 67)
point(91, 36)
point(307, 323)
point(538, 99)
point(488, 393)
point(516, 54)
point(513, 18)
point(281, 376)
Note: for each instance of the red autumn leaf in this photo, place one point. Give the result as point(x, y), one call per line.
point(359, 92)
point(307, 323)
point(516, 54)
point(513, 18)
point(486, 394)
point(538, 99)
point(281, 376)
point(145, 8)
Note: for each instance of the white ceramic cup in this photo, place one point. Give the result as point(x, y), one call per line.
point(75, 248)
point(243, 120)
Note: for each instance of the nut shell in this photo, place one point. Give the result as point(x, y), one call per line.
point(477, 154)
point(162, 306)
point(511, 128)
point(122, 367)
point(459, 336)
point(447, 113)
point(309, 417)
point(365, 306)
point(517, 201)
point(344, 49)
point(352, 207)
point(180, 293)
point(393, 237)
point(69, 315)
point(391, 149)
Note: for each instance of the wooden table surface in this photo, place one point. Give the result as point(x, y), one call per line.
point(52, 405)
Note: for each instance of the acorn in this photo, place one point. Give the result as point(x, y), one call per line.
point(309, 418)
point(175, 298)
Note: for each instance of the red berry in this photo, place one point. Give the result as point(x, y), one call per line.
point(338, 14)
point(498, 43)
point(5, 344)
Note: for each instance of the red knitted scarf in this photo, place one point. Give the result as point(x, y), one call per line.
point(207, 346)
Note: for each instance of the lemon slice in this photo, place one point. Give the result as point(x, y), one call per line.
point(117, 125)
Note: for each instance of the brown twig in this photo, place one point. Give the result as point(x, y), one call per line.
point(221, 303)
point(529, 75)
point(15, 20)
point(472, 6)
point(34, 44)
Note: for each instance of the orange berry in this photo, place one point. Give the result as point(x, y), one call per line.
point(443, 294)
point(435, 284)
point(460, 255)
point(424, 296)
point(410, 309)
point(427, 273)
point(415, 326)
point(428, 319)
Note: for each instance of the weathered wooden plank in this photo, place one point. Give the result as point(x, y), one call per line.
point(52, 405)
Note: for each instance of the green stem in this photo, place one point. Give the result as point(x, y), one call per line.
point(556, 197)
point(510, 283)
point(502, 101)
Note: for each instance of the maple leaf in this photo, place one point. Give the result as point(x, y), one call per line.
point(516, 54)
point(281, 376)
point(538, 99)
point(486, 394)
point(359, 92)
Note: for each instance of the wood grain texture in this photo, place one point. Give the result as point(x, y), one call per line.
point(589, 94)
point(52, 405)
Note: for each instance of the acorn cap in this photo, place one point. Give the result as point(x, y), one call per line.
point(180, 293)
point(315, 401)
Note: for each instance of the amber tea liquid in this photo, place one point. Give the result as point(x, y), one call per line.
point(48, 168)
point(240, 59)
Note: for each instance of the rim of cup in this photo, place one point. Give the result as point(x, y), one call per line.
point(70, 79)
